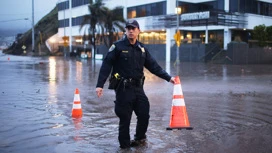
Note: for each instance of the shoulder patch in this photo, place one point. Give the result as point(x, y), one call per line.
point(112, 48)
point(142, 48)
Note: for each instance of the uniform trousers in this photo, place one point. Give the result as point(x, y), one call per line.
point(128, 99)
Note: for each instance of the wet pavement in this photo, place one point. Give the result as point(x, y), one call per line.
point(229, 107)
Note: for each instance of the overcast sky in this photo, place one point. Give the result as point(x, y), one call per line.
point(13, 13)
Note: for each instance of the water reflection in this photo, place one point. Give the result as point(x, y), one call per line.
point(57, 126)
point(77, 130)
point(224, 73)
point(52, 70)
point(79, 71)
point(52, 81)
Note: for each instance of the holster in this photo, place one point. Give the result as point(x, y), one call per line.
point(114, 82)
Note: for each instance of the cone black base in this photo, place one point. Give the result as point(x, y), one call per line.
point(179, 128)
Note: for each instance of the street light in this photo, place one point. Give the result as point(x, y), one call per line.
point(33, 39)
point(178, 11)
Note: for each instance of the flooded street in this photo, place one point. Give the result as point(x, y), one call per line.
point(229, 106)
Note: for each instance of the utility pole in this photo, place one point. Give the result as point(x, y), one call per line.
point(65, 38)
point(70, 26)
point(177, 58)
point(33, 31)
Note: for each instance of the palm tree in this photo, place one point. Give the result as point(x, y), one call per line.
point(97, 11)
point(114, 21)
point(103, 18)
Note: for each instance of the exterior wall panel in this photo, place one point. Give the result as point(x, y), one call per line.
point(254, 19)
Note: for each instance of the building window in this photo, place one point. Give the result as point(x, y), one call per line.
point(243, 6)
point(63, 5)
point(233, 6)
point(131, 12)
point(63, 23)
point(77, 21)
point(147, 10)
point(270, 10)
point(200, 7)
point(76, 3)
point(251, 6)
point(141, 11)
point(265, 9)
point(153, 37)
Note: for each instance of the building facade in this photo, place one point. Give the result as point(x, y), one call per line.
point(199, 21)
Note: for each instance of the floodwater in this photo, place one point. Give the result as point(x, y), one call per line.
point(229, 107)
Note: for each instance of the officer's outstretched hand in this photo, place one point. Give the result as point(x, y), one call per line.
point(99, 92)
point(172, 80)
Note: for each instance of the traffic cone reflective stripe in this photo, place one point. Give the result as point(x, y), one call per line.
point(179, 118)
point(77, 110)
point(77, 105)
point(178, 102)
point(76, 96)
point(178, 99)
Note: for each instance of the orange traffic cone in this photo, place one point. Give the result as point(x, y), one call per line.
point(179, 118)
point(77, 110)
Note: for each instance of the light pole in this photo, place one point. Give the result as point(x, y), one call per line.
point(178, 43)
point(70, 26)
point(33, 31)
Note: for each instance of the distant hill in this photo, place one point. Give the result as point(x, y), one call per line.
point(6, 41)
point(8, 33)
point(44, 29)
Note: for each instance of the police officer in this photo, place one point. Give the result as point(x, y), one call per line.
point(125, 61)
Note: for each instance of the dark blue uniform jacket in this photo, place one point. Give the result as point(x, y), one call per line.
point(129, 61)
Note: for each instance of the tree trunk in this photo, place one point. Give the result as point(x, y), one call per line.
point(94, 46)
point(111, 37)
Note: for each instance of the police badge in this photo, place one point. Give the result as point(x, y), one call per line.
point(112, 48)
point(142, 48)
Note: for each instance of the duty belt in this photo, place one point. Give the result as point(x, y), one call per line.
point(133, 82)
